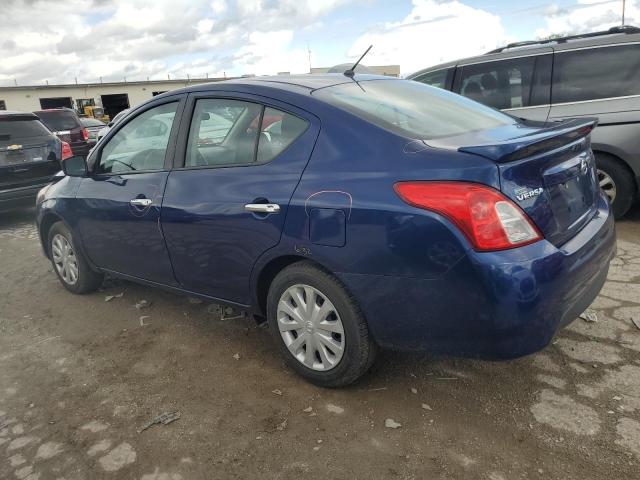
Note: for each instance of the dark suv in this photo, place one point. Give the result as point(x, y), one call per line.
point(590, 75)
point(29, 156)
point(66, 125)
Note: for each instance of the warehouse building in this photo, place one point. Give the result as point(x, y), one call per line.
point(112, 97)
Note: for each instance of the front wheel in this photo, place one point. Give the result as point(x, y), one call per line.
point(69, 263)
point(318, 326)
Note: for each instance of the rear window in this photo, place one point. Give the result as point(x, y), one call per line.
point(12, 130)
point(92, 122)
point(412, 109)
point(57, 120)
point(595, 73)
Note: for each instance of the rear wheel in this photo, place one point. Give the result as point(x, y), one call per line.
point(69, 263)
point(318, 326)
point(616, 181)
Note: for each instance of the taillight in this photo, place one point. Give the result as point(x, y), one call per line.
point(66, 151)
point(85, 134)
point(486, 217)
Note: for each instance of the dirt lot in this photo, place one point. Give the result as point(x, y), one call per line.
point(80, 375)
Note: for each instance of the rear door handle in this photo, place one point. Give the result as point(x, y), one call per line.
point(141, 202)
point(262, 207)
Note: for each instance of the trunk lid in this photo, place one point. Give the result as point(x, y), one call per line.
point(546, 169)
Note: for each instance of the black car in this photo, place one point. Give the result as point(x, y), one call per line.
point(29, 156)
point(66, 125)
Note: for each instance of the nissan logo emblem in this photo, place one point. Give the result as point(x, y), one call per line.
point(584, 167)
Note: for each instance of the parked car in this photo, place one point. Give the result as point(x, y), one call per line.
point(66, 125)
point(119, 116)
point(29, 156)
point(589, 75)
point(378, 213)
point(93, 126)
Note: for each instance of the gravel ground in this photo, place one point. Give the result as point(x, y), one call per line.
point(80, 375)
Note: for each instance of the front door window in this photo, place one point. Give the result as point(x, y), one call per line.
point(141, 144)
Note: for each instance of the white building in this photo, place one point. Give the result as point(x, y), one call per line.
point(113, 97)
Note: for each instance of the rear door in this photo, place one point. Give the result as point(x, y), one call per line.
point(600, 81)
point(29, 153)
point(118, 206)
point(237, 166)
point(519, 86)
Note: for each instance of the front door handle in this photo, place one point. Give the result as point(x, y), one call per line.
point(141, 202)
point(262, 207)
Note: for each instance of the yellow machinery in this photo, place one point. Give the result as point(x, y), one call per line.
point(96, 112)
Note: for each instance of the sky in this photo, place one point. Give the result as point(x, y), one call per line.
point(61, 41)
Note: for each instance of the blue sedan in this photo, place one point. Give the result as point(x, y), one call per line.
point(350, 213)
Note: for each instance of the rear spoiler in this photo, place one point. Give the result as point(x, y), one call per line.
point(543, 140)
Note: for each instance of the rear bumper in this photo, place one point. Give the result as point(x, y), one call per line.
point(496, 305)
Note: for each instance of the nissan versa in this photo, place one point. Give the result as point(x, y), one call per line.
point(350, 213)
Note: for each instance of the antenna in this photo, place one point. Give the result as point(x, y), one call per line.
point(352, 71)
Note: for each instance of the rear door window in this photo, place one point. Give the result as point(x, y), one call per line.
point(596, 73)
point(505, 84)
point(227, 132)
point(278, 131)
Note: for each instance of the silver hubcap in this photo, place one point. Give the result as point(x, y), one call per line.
point(607, 185)
point(311, 327)
point(64, 259)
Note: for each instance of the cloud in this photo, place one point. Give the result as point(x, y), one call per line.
point(56, 41)
point(433, 32)
point(587, 16)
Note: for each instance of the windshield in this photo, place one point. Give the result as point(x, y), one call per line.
point(412, 109)
point(58, 120)
point(12, 130)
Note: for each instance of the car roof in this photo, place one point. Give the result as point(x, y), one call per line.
point(293, 83)
point(12, 113)
point(54, 110)
point(614, 36)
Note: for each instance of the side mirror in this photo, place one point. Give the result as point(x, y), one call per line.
point(205, 116)
point(110, 124)
point(75, 166)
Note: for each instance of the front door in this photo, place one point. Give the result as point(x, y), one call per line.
point(118, 205)
point(226, 201)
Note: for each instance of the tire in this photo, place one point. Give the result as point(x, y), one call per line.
point(81, 279)
point(616, 179)
point(358, 349)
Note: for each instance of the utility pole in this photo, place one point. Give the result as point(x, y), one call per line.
point(623, 9)
point(309, 53)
